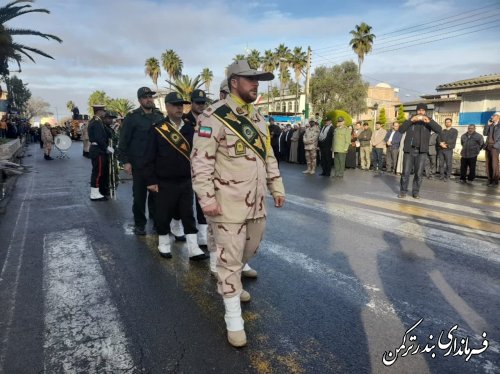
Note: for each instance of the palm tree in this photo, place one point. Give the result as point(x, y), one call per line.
point(298, 61)
point(120, 106)
point(238, 57)
point(282, 57)
point(362, 41)
point(10, 50)
point(172, 64)
point(70, 105)
point(254, 59)
point(184, 85)
point(207, 76)
point(268, 61)
point(152, 70)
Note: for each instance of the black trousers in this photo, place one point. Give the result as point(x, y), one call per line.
point(140, 194)
point(430, 165)
point(445, 162)
point(468, 163)
point(412, 160)
point(326, 160)
point(174, 197)
point(100, 174)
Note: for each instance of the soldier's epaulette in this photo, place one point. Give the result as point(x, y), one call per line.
point(212, 108)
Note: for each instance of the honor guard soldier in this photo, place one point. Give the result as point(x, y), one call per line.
point(132, 148)
point(99, 150)
point(233, 166)
point(167, 171)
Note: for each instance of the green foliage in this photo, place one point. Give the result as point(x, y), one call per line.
point(120, 106)
point(172, 64)
point(18, 92)
point(70, 105)
point(362, 41)
point(238, 57)
point(338, 87)
point(269, 61)
point(207, 76)
point(382, 117)
point(254, 59)
point(152, 70)
point(335, 114)
point(97, 98)
point(185, 85)
point(401, 114)
point(14, 51)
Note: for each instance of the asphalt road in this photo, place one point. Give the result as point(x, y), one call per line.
point(348, 275)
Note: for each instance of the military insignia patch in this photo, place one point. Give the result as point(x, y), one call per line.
point(239, 148)
point(176, 137)
point(165, 127)
point(248, 131)
point(239, 110)
point(205, 132)
point(230, 116)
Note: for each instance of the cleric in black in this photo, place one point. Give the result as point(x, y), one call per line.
point(416, 145)
point(167, 172)
point(99, 148)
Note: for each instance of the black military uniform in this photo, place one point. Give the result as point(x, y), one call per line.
point(99, 142)
point(198, 96)
point(168, 165)
point(132, 145)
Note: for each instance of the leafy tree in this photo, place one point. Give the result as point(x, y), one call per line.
point(37, 107)
point(269, 61)
point(382, 116)
point(152, 70)
point(362, 41)
point(338, 87)
point(298, 63)
point(18, 92)
point(401, 114)
point(70, 105)
point(254, 59)
point(335, 114)
point(97, 98)
point(185, 85)
point(283, 56)
point(172, 64)
point(238, 57)
point(294, 88)
point(120, 106)
point(285, 79)
point(207, 76)
point(14, 51)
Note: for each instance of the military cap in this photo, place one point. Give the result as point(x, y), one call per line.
point(144, 91)
point(175, 98)
point(340, 119)
point(224, 86)
point(243, 69)
point(98, 107)
point(199, 96)
point(109, 114)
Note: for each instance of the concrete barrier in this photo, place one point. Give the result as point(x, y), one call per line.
point(9, 149)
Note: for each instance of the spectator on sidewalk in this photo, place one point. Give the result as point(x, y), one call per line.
point(392, 140)
point(378, 145)
point(430, 161)
point(446, 144)
point(365, 143)
point(472, 143)
point(492, 133)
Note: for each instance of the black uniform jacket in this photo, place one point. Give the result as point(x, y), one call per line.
point(98, 137)
point(162, 161)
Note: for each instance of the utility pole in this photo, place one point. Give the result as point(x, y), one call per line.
point(308, 78)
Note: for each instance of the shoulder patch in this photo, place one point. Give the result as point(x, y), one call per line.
point(212, 108)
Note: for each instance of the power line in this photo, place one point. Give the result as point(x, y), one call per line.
point(386, 44)
point(423, 42)
point(464, 14)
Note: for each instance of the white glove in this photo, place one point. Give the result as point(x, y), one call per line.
point(110, 150)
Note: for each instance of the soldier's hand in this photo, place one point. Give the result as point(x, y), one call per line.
point(279, 201)
point(212, 210)
point(127, 168)
point(153, 188)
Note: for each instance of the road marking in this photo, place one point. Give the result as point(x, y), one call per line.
point(413, 210)
point(83, 332)
point(400, 226)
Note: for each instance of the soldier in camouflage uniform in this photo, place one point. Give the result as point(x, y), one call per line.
point(233, 166)
point(310, 146)
point(48, 140)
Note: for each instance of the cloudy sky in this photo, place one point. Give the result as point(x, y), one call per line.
point(106, 42)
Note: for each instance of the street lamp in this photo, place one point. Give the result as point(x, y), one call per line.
point(375, 107)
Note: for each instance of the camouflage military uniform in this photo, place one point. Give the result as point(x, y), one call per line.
point(47, 140)
point(310, 146)
point(229, 172)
